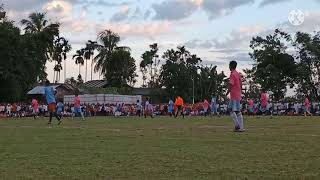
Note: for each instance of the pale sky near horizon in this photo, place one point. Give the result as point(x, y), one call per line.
point(216, 30)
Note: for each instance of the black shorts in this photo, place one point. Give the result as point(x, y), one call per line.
point(179, 108)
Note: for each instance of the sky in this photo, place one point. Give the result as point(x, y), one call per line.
point(216, 30)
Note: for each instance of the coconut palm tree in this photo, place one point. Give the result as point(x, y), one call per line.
point(44, 31)
point(108, 43)
point(57, 68)
point(37, 23)
point(2, 12)
point(79, 59)
point(60, 50)
point(88, 54)
point(114, 62)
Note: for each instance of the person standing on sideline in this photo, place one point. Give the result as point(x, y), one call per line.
point(148, 109)
point(138, 108)
point(250, 107)
point(179, 104)
point(214, 110)
point(77, 106)
point(307, 106)
point(35, 108)
point(235, 90)
point(49, 93)
point(264, 102)
point(205, 107)
point(170, 108)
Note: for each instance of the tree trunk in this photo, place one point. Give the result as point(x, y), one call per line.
point(85, 79)
point(65, 70)
point(91, 68)
point(54, 71)
point(58, 76)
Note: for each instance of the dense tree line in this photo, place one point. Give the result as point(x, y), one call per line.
point(276, 68)
point(280, 60)
point(24, 54)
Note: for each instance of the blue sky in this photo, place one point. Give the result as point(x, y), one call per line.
point(215, 30)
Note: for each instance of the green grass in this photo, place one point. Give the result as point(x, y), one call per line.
point(160, 148)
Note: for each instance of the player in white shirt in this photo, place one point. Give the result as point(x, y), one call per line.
point(148, 109)
point(8, 110)
point(138, 108)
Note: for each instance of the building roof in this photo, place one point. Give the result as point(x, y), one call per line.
point(96, 84)
point(38, 90)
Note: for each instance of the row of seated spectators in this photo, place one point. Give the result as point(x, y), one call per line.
point(26, 110)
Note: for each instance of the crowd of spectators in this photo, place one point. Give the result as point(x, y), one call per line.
point(198, 109)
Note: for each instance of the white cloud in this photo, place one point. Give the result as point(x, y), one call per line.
point(181, 9)
point(218, 8)
point(271, 2)
point(143, 30)
point(16, 5)
point(175, 9)
point(123, 14)
point(58, 9)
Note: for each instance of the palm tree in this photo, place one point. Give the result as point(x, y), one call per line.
point(183, 53)
point(113, 61)
point(2, 12)
point(37, 23)
point(79, 59)
point(109, 41)
point(60, 50)
point(57, 68)
point(89, 52)
point(150, 59)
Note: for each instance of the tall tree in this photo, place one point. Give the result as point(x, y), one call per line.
point(89, 53)
point(252, 89)
point(274, 68)
point(2, 12)
point(210, 82)
point(178, 71)
point(120, 68)
point(108, 42)
point(114, 62)
point(308, 79)
point(37, 23)
point(60, 50)
point(79, 59)
point(44, 34)
point(150, 64)
point(22, 62)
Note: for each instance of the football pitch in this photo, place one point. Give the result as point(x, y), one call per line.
point(160, 148)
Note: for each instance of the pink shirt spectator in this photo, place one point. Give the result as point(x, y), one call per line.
point(307, 103)
point(236, 86)
point(35, 104)
point(251, 103)
point(264, 99)
point(206, 104)
point(77, 102)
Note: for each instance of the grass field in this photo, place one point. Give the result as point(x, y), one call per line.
point(160, 148)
